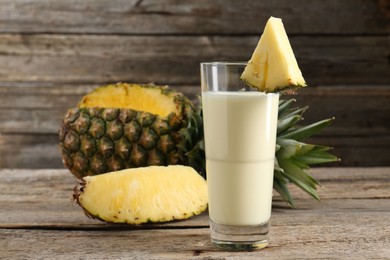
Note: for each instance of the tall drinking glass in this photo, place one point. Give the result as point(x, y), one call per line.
point(240, 137)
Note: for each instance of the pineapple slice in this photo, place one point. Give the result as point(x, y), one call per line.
point(141, 195)
point(273, 66)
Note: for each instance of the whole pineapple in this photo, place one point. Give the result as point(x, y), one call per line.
point(125, 126)
point(128, 125)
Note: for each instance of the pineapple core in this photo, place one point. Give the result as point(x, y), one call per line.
point(273, 66)
point(131, 96)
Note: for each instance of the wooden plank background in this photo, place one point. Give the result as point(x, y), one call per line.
point(53, 52)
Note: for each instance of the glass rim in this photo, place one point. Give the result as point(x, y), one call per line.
point(224, 63)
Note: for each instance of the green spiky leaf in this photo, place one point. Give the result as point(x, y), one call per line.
point(287, 122)
point(280, 185)
point(318, 155)
point(284, 105)
point(299, 177)
point(302, 133)
point(291, 148)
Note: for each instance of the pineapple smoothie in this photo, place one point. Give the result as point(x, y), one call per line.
point(240, 136)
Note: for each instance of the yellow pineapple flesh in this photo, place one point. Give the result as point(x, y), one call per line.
point(141, 195)
point(273, 66)
point(131, 96)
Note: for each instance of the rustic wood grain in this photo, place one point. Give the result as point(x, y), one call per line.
point(193, 17)
point(175, 59)
point(351, 222)
point(293, 242)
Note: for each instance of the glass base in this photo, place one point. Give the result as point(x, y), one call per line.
point(239, 238)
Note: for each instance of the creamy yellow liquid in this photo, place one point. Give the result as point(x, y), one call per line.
point(240, 136)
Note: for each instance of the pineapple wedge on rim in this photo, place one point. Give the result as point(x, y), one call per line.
point(273, 66)
point(142, 195)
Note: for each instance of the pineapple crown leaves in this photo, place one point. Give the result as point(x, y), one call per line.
point(193, 143)
point(293, 157)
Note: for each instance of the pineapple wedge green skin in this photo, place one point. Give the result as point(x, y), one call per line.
point(143, 195)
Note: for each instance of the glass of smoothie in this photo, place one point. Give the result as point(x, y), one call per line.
point(240, 137)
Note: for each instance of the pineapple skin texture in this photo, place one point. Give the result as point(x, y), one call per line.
point(273, 66)
point(96, 140)
point(143, 195)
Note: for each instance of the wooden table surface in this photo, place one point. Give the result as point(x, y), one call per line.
point(39, 220)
